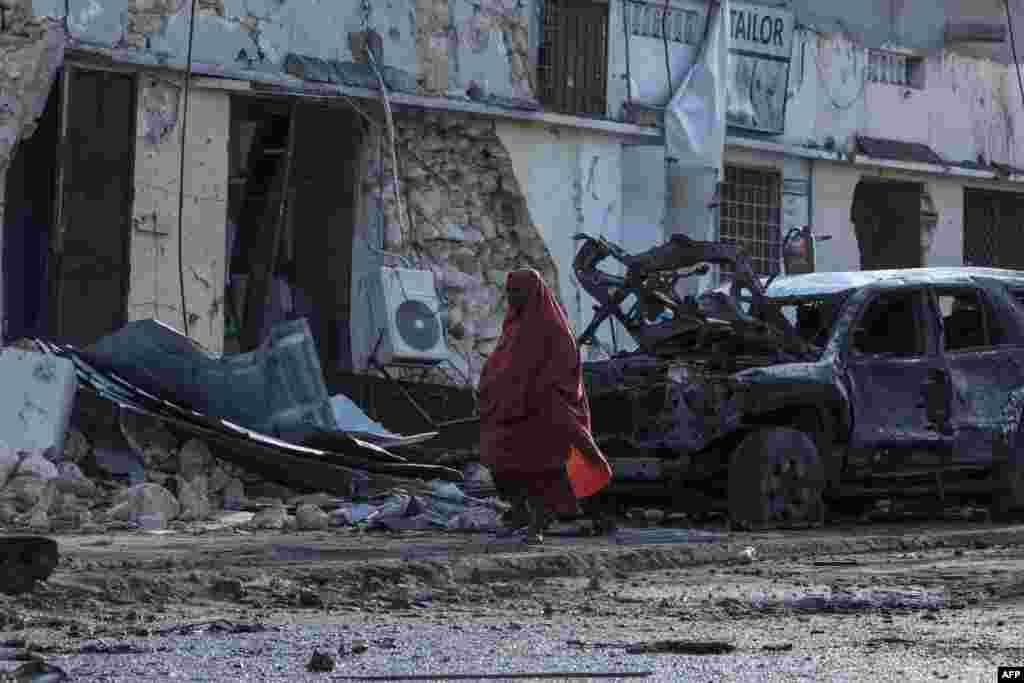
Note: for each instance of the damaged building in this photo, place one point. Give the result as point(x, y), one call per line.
point(507, 127)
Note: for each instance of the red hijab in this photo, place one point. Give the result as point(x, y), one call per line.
point(533, 407)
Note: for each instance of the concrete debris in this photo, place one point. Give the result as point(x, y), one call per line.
point(192, 497)
point(35, 406)
point(76, 447)
point(149, 505)
point(310, 517)
point(682, 647)
point(35, 672)
point(270, 518)
point(228, 589)
point(193, 459)
point(25, 560)
point(320, 662)
point(863, 599)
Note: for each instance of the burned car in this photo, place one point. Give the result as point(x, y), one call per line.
point(769, 400)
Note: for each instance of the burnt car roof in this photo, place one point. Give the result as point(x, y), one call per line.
point(827, 283)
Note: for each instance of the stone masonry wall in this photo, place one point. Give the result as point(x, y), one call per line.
point(466, 220)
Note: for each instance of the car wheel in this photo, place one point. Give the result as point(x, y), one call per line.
point(1008, 476)
point(776, 479)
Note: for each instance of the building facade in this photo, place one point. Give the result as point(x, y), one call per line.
point(509, 126)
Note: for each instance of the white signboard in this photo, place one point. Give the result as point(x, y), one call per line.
point(760, 48)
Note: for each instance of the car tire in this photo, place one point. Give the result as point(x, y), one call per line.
point(1008, 477)
point(776, 480)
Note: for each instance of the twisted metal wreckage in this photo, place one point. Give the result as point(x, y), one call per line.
point(688, 348)
point(725, 404)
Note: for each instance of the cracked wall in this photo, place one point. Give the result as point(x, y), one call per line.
point(438, 46)
point(969, 109)
point(155, 290)
point(467, 220)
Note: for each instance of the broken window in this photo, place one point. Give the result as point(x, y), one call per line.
point(573, 59)
point(751, 215)
point(993, 235)
point(291, 223)
point(967, 322)
point(813, 318)
point(890, 326)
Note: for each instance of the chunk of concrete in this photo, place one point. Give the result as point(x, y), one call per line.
point(310, 517)
point(148, 505)
point(194, 459)
point(24, 560)
point(193, 498)
point(8, 463)
point(36, 399)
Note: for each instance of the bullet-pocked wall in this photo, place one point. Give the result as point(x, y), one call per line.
point(155, 289)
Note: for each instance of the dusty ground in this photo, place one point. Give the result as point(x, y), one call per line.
point(875, 603)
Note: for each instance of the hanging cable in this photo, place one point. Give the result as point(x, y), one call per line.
point(1013, 49)
point(181, 167)
point(625, 32)
point(664, 40)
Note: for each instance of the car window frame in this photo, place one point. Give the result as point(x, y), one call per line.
point(925, 328)
point(986, 313)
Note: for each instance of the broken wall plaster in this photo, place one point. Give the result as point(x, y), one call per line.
point(976, 109)
point(155, 288)
point(468, 221)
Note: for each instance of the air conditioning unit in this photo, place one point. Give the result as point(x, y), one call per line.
point(405, 319)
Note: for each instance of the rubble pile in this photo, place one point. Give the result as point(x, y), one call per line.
point(52, 492)
point(187, 439)
point(185, 484)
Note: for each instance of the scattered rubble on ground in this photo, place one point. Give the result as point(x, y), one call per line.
point(157, 466)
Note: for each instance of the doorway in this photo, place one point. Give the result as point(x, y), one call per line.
point(68, 224)
point(28, 226)
point(887, 220)
point(290, 251)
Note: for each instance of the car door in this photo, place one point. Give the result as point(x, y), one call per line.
point(984, 361)
point(898, 384)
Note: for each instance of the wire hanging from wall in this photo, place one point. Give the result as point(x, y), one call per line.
point(1013, 50)
point(664, 40)
point(181, 167)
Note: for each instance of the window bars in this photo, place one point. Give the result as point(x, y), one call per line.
point(573, 63)
point(751, 216)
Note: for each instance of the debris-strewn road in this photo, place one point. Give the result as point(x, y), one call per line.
point(141, 608)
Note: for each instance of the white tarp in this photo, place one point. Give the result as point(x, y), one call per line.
point(695, 124)
point(695, 119)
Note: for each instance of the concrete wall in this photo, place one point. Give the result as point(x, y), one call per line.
point(969, 107)
point(576, 181)
point(155, 290)
point(443, 44)
point(833, 189)
point(647, 70)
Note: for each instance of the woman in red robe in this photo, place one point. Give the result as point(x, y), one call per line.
point(533, 407)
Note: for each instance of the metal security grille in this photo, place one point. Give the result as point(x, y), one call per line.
point(751, 215)
point(993, 229)
point(894, 68)
point(573, 61)
point(645, 20)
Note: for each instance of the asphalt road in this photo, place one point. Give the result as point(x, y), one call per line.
point(935, 614)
